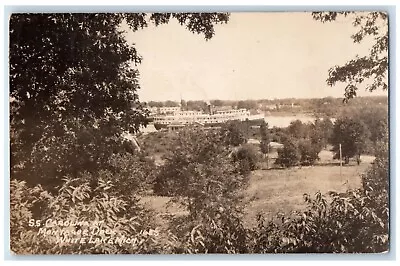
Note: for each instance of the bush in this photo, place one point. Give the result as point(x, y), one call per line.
point(218, 230)
point(130, 174)
point(343, 224)
point(278, 135)
point(76, 202)
point(246, 157)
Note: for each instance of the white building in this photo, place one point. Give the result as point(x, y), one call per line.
point(168, 109)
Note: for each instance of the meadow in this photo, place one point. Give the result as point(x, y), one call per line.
point(280, 191)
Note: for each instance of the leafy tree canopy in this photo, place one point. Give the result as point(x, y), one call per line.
point(351, 135)
point(234, 133)
point(289, 155)
point(73, 88)
point(199, 172)
point(371, 69)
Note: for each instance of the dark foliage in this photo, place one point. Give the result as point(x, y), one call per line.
point(352, 135)
point(234, 133)
point(73, 90)
point(198, 171)
point(265, 138)
point(289, 155)
point(246, 158)
point(308, 152)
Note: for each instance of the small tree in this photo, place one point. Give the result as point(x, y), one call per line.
point(265, 139)
point(351, 135)
point(308, 152)
point(297, 129)
point(376, 120)
point(198, 172)
point(321, 131)
point(200, 175)
point(289, 155)
point(233, 133)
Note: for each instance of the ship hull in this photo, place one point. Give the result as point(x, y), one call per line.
point(249, 122)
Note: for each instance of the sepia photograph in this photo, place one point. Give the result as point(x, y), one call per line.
point(199, 133)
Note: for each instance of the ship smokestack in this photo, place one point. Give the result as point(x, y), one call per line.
point(209, 106)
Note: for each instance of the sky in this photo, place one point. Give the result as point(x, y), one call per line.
point(253, 56)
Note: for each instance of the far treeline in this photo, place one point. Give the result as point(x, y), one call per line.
point(327, 106)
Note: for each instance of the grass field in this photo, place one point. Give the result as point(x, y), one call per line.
point(281, 190)
point(275, 191)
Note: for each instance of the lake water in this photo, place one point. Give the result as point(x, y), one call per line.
point(284, 121)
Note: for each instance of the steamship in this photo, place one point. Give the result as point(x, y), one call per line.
point(174, 117)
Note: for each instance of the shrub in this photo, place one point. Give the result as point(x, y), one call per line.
point(340, 225)
point(247, 159)
point(75, 202)
point(218, 230)
point(130, 174)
